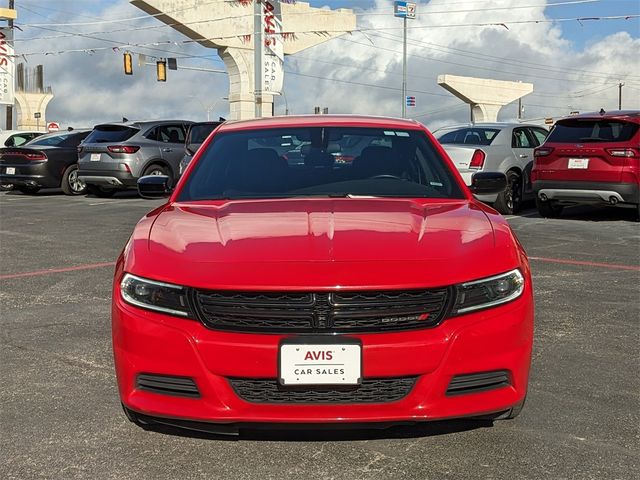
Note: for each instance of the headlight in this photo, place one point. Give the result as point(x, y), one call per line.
point(152, 295)
point(489, 292)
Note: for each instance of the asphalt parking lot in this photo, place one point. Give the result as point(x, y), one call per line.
point(60, 416)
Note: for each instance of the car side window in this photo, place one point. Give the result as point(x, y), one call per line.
point(539, 134)
point(152, 134)
point(520, 139)
point(171, 134)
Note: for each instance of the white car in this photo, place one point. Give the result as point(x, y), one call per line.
point(495, 147)
point(15, 138)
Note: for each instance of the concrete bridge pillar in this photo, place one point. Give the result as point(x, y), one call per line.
point(228, 27)
point(28, 105)
point(485, 96)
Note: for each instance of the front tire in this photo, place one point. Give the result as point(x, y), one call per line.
point(71, 184)
point(548, 209)
point(509, 202)
point(101, 192)
point(28, 190)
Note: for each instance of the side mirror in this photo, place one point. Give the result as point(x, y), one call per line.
point(154, 186)
point(488, 183)
point(189, 149)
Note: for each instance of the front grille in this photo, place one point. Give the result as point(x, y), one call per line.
point(371, 390)
point(478, 382)
point(167, 385)
point(305, 312)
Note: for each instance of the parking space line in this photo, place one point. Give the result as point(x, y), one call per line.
point(37, 273)
point(612, 266)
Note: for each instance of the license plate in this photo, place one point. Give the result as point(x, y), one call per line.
point(10, 171)
point(578, 163)
point(320, 363)
point(95, 157)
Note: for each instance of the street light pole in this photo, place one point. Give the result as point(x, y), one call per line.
point(404, 68)
point(404, 10)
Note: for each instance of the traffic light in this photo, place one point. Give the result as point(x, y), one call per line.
point(128, 63)
point(161, 70)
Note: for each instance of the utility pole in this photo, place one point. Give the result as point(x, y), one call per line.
point(620, 85)
point(9, 119)
point(520, 108)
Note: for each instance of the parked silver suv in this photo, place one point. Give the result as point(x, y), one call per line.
point(115, 155)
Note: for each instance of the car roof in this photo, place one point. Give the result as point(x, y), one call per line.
point(141, 123)
point(613, 114)
point(489, 125)
point(320, 121)
point(62, 132)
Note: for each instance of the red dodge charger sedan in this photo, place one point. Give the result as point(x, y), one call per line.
point(279, 284)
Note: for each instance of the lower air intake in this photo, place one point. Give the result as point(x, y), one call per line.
point(478, 382)
point(371, 390)
point(168, 385)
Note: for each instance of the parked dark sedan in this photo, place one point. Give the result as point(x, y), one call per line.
point(48, 161)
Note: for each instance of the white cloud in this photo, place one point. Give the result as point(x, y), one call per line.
point(90, 89)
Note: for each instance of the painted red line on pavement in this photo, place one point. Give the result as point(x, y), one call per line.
point(612, 266)
point(88, 266)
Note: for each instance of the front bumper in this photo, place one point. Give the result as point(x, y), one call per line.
point(146, 342)
point(108, 178)
point(587, 192)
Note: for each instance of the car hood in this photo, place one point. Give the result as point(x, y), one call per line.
point(322, 243)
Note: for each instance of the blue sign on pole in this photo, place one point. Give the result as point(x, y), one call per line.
point(411, 101)
point(404, 9)
point(400, 9)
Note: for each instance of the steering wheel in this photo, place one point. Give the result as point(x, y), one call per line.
point(386, 176)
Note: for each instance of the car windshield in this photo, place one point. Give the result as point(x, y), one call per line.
point(592, 130)
point(320, 161)
point(469, 136)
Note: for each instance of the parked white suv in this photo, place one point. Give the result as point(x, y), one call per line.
point(496, 147)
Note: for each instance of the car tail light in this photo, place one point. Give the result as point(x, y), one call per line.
point(123, 148)
point(542, 151)
point(35, 156)
point(622, 152)
point(477, 160)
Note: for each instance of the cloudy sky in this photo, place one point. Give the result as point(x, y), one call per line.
point(573, 64)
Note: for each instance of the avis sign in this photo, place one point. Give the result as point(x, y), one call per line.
point(7, 67)
point(272, 48)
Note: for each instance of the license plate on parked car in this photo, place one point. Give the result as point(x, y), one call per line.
point(95, 157)
point(578, 163)
point(10, 171)
point(320, 363)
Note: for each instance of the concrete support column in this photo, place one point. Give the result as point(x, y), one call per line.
point(28, 105)
point(482, 112)
point(239, 63)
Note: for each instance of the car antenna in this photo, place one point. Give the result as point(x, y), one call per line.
point(602, 112)
point(125, 119)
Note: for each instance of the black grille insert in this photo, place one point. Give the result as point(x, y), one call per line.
point(371, 390)
point(305, 312)
point(478, 382)
point(168, 385)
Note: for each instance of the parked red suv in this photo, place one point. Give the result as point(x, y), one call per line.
point(269, 290)
point(593, 158)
